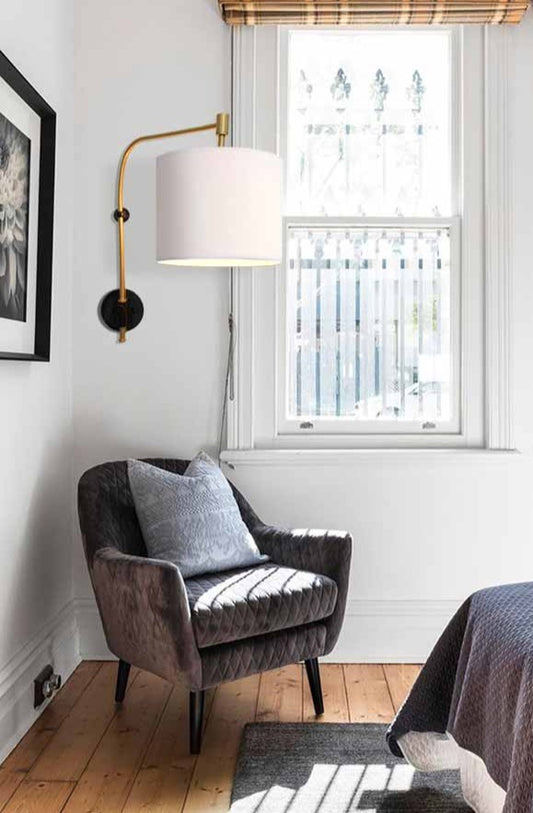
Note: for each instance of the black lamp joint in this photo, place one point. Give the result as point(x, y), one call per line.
point(121, 214)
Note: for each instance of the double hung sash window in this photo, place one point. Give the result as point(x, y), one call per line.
point(376, 320)
point(371, 239)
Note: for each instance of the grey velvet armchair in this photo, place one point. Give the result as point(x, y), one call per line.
point(209, 629)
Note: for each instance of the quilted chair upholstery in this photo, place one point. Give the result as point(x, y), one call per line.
point(248, 602)
point(209, 629)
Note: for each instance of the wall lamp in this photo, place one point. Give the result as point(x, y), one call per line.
point(215, 207)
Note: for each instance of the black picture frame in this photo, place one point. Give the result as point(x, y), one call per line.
point(45, 214)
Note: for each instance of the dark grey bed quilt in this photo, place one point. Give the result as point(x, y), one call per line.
point(478, 685)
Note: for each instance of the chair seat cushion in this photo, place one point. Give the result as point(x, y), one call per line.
point(243, 603)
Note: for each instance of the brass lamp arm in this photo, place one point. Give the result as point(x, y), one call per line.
point(121, 215)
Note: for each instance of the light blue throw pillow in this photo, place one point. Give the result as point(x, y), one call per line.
point(192, 519)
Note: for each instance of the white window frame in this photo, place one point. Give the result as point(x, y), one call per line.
point(253, 419)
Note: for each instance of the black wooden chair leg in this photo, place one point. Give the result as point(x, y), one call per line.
point(313, 676)
point(196, 715)
point(122, 681)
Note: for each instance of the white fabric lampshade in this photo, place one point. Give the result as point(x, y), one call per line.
point(218, 206)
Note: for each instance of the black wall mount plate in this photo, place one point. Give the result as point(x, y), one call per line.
point(116, 315)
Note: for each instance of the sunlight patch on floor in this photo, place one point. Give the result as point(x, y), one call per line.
point(329, 789)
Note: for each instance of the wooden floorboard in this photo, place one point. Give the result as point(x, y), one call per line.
point(87, 755)
point(334, 693)
point(400, 677)
point(68, 752)
point(39, 797)
point(369, 699)
point(163, 780)
point(105, 783)
point(9, 782)
point(234, 705)
point(280, 696)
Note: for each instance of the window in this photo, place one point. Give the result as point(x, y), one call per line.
point(371, 260)
point(368, 327)
point(368, 124)
point(371, 332)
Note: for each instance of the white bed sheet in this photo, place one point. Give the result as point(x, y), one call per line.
point(439, 752)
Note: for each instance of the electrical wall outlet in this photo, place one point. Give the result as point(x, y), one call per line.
point(45, 684)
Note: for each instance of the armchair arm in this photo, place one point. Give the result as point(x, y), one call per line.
point(146, 615)
point(325, 552)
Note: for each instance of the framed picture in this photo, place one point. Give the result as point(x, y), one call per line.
point(27, 170)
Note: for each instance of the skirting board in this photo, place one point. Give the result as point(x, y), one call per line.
point(391, 631)
point(373, 631)
point(93, 645)
point(56, 643)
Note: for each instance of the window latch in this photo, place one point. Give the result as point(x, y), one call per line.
point(306, 425)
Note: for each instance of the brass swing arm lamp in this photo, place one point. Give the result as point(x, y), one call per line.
point(115, 307)
point(214, 208)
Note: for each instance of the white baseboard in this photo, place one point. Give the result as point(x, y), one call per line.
point(373, 631)
point(56, 643)
point(93, 646)
point(391, 631)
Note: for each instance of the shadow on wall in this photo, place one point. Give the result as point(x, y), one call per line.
point(98, 443)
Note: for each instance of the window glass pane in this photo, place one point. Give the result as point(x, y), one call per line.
point(369, 124)
point(369, 322)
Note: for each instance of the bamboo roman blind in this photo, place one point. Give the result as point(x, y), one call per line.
point(371, 12)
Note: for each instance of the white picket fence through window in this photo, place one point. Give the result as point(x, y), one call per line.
point(369, 323)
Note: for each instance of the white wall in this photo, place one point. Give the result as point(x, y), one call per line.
point(36, 412)
point(159, 393)
point(429, 528)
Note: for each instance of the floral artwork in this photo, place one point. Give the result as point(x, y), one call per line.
point(14, 197)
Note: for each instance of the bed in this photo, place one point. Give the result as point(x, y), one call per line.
point(471, 707)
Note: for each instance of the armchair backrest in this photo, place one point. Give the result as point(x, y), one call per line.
point(107, 512)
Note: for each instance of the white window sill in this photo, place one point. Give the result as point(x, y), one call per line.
point(348, 457)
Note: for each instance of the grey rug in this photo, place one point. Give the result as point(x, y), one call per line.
point(334, 768)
